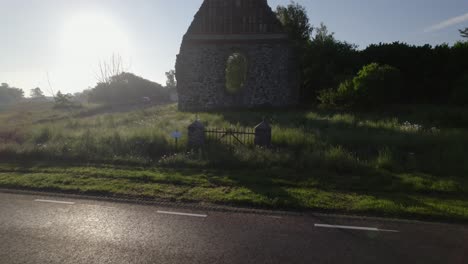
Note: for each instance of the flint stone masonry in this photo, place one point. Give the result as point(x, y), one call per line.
point(224, 27)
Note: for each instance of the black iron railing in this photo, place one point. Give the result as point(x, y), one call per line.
point(231, 136)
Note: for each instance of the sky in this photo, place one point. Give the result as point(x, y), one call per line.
point(61, 42)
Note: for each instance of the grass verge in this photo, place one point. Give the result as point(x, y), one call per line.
point(406, 161)
point(392, 195)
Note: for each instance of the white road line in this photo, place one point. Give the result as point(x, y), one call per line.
point(183, 214)
point(53, 201)
point(356, 228)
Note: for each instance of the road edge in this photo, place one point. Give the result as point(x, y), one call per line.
point(226, 208)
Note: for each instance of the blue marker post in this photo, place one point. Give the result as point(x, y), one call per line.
point(176, 135)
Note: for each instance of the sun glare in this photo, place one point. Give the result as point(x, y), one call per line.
point(88, 36)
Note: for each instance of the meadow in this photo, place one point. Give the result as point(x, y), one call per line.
point(403, 161)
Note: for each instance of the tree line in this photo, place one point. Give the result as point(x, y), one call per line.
point(117, 86)
point(338, 73)
point(10, 94)
point(121, 88)
point(126, 88)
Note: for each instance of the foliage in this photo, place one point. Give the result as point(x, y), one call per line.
point(10, 94)
point(464, 32)
point(411, 61)
point(374, 85)
point(63, 100)
point(460, 93)
point(429, 75)
point(171, 82)
point(296, 22)
point(113, 66)
point(343, 96)
point(329, 62)
point(127, 88)
point(324, 61)
point(236, 72)
point(83, 96)
point(37, 93)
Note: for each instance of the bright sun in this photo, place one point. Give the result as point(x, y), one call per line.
point(93, 36)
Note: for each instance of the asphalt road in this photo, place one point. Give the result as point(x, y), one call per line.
point(37, 229)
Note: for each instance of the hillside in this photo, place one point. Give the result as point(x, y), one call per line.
point(404, 161)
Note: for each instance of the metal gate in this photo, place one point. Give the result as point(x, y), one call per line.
point(231, 136)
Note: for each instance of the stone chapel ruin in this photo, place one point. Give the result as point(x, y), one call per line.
point(236, 54)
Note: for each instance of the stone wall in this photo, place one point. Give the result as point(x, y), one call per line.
point(224, 27)
point(271, 75)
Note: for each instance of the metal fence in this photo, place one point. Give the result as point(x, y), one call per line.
point(231, 136)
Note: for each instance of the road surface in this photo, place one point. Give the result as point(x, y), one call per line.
point(40, 229)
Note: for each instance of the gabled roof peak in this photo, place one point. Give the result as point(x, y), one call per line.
point(235, 17)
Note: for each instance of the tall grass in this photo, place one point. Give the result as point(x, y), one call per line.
point(347, 143)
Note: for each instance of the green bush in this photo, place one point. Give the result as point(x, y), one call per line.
point(343, 96)
point(374, 85)
point(64, 101)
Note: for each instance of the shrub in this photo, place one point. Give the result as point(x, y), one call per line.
point(374, 85)
point(63, 101)
point(328, 97)
point(340, 97)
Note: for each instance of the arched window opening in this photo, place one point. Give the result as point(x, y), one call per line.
point(236, 73)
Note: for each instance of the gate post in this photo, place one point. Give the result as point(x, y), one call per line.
point(263, 134)
point(196, 134)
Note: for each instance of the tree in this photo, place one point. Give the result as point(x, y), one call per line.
point(429, 73)
point(328, 63)
point(83, 96)
point(377, 84)
point(171, 85)
point(322, 35)
point(464, 32)
point(171, 82)
point(112, 67)
point(374, 85)
point(296, 22)
point(36, 93)
point(63, 100)
point(127, 88)
point(10, 94)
